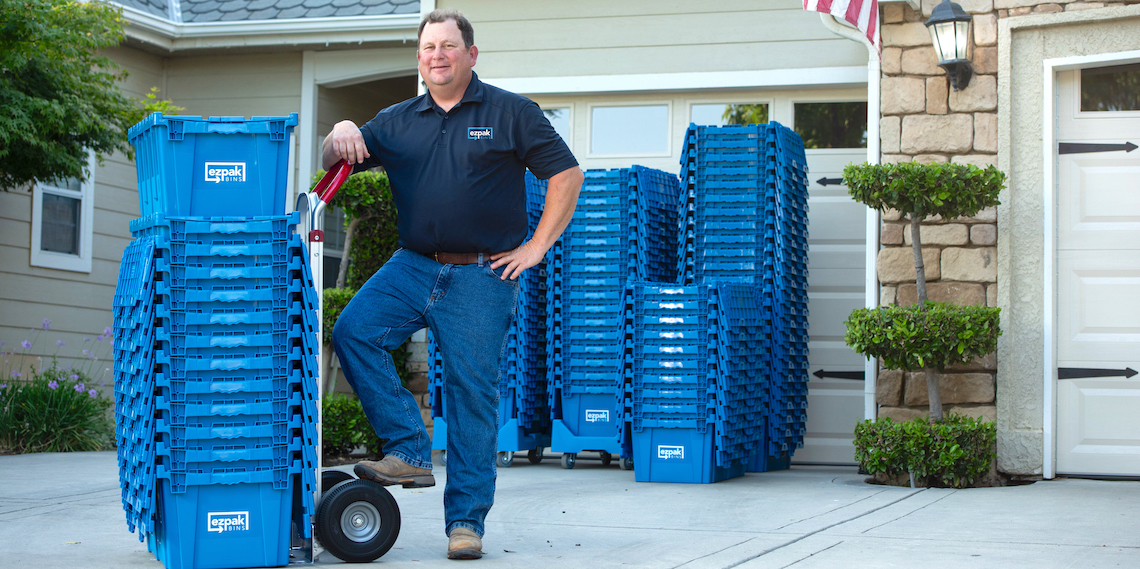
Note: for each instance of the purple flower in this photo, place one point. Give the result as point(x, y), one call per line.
point(16, 374)
point(107, 331)
point(75, 377)
point(3, 386)
point(47, 324)
point(92, 392)
point(60, 343)
point(53, 384)
point(86, 340)
point(79, 387)
point(85, 352)
point(26, 344)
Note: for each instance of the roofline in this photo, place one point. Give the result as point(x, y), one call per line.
point(174, 36)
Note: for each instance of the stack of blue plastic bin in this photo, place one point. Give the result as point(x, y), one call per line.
point(623, 228)
point(227, 366)
point(697, 398)
point(744, 219)
point(524, 417)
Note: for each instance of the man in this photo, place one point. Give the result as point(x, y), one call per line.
point(456, 158)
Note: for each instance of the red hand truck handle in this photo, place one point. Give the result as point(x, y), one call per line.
point(332, 180)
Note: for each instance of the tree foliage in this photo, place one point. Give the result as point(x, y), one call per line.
point(59, 98)
point(745, 114)
point(370, 218)
point(923, 190)
point(936, 334)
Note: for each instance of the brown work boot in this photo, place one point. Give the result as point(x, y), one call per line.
point(391, 471)
point(463, 543)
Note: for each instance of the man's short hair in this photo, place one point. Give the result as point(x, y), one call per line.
point(442, 15)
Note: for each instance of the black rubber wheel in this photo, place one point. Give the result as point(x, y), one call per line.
point(534, 455)
point(330, 478)
point(358, 521)
point(443, 458)
point(606, 458)
point(506, 459)
point(626, 463)
point(568, 460)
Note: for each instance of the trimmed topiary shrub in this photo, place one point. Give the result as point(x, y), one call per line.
point(955, 452)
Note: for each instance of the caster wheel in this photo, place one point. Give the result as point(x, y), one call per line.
point(568, 460)
point(606, 458)
point(506, 459)
point(626, 464)
point(443, 458)
point(534, 455)
point(358, 521)
point(330, 478)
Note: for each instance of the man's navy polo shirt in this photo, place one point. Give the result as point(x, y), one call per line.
point(457, 177)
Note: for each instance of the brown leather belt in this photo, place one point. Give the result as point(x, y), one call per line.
point(456, 258)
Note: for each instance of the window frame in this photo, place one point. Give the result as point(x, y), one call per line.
point(81, 262)
point(1081, 114)
point(769, 102)
point(569, 139)
point(668, 134)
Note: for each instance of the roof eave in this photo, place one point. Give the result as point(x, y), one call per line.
point(172, 36)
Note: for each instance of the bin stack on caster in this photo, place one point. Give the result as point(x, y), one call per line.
point(215, 347)
point(623, 228)
point(524, 416)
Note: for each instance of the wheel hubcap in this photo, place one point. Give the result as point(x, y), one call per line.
point(360, 522)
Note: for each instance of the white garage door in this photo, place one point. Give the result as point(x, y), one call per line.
point(837, 253)
point(1098, 275)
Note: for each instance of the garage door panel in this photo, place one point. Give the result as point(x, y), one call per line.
point(837, 352)
point(1100, 319)
point(822, 311)
point(830, 425)
point(846, 219)
point(1100, 425)
point(1108, 218)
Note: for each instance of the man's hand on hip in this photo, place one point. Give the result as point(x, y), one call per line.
point(518, 260)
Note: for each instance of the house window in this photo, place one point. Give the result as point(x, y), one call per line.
point(832, 125)
point(1115, 88)
point(333, 253)
point(63, 223)
point(559, 119)
point(641, 130)
point(721, 114)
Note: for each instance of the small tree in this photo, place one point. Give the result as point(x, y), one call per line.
point(928, 335)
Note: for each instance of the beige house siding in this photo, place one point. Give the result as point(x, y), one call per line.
point(517, 38)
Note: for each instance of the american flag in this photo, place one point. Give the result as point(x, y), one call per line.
point(863, 14)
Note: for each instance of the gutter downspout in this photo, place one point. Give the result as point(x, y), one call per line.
point(871, 278)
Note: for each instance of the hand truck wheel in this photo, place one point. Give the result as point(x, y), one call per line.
point(330, 478)
point(358, 521)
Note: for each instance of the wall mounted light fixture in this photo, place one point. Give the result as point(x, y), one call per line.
point(949, 27)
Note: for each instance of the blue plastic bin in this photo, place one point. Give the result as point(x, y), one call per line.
point(216, 166)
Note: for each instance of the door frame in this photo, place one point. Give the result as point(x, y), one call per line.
point(1049, 265)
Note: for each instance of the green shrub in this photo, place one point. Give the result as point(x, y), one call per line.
point(911, 338)
point(334, 301)
point(54, 410)
point(345, 427)
point(949, 190)
point(954, 452)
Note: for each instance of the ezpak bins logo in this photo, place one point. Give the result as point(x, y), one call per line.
point(666, 452)
point(597, 416)
point(225, 172)
point(480, 132)
point(222, 522)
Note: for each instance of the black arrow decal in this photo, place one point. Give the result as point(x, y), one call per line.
point(857, 375)
point(1080, 372)
point(830, 181)
point(1083, 148)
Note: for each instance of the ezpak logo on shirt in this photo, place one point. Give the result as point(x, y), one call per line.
point(480, 132)
point(225, 172)
point(666, 452)
point(222, 522)
point(597, 416)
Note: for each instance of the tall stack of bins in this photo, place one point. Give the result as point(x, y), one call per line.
point(697, 375)
point(524, 417)
point(744, 219)
point(623, 228)
point(215, 353)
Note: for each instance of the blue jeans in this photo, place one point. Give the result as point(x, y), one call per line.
point(469, 309)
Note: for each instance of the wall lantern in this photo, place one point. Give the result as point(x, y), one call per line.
point(949, 27)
